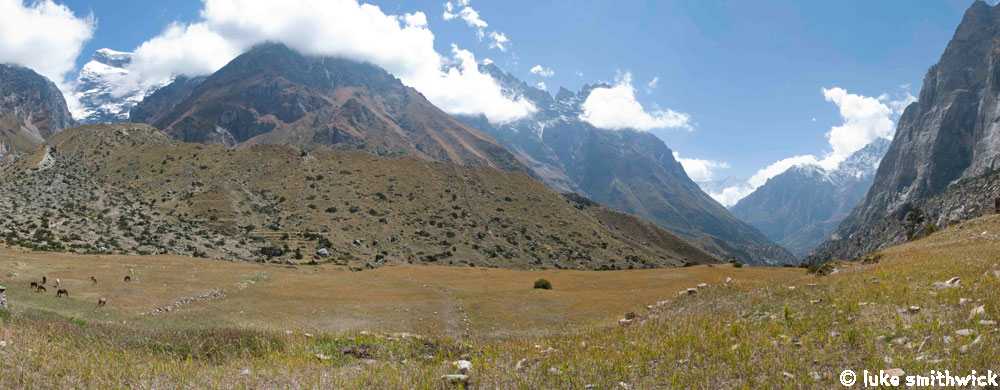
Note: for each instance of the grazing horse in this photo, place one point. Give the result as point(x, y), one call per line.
point(40, 288)
point(34, 285)
point(57, 282)
point(61, 292)
point(128, 278)
point(101, 302)
point(93, 279)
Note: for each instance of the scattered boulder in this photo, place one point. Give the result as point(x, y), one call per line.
point(953, 282)
point(976, 311)
point(963, 332)
point(729, 280)
point(456, 379)
point(323, 252)
point(702, 285)
point(895, 372)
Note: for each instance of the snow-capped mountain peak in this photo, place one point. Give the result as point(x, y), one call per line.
point(104, 89)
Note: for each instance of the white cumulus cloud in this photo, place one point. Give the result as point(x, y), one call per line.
point(45, 37)
point(616, 108)
point(541, 86)
point(542, 71)
point(403, 45)
point(864, 119)
point(698, 169)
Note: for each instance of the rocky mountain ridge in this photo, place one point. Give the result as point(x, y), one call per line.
point(274, 95)
point(31, 109)
point(950, 134)
point(627, 170)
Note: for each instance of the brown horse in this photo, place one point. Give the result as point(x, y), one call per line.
point(44, 280)
point(93, 279)
point(128, 278)
point(61, 292)
point(101, 302)
point(34, 285)
point(41, 288)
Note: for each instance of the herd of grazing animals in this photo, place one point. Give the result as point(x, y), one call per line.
point(60, 292)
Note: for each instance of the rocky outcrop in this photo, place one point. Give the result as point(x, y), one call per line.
point(951, 133)
point(627, 170)
point(274, 95)
point(31, 109)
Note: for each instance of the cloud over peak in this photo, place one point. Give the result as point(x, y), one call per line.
point(403, 45)
point(616, 108)
point(44, 36)
point(698, 169)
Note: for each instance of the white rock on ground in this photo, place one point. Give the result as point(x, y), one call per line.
point(455, 379)
point(953, 282)
point(463, 366)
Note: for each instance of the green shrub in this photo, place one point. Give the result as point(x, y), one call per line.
point(737, 264)
point(543, 284)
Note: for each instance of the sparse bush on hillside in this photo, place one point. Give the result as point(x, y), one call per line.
point(821, 269)
point(543, 284)
point(737, 264)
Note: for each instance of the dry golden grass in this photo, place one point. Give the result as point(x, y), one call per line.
point(420, 299)
point(756, 333)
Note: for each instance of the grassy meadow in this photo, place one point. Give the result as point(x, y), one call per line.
point(402, 327)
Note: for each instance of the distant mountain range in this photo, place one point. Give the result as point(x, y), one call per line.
point(802, 206)
point(628, 170)
point(945, 150)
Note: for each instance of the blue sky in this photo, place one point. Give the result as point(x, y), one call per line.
point(749, 73)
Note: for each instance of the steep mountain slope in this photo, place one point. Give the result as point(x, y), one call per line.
point(31, 109)
point(631, 171)
point(129, 188)
point(950, 133)
point(800, 207)
point(99, 89)
point(274, 95)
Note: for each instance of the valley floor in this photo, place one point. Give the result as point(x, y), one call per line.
point(314, 327)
